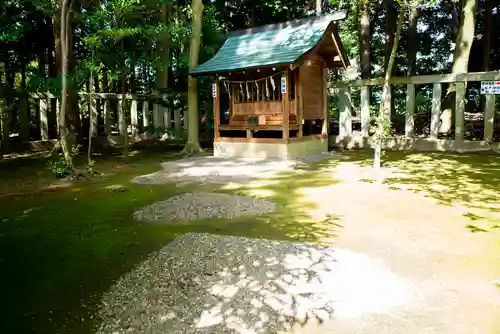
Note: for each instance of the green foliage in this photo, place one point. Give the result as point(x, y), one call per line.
point(58, 166)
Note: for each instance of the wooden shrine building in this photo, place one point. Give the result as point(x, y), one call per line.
point(270, 90)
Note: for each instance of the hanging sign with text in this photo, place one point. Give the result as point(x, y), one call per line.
point(283, 84)
point(490, 87)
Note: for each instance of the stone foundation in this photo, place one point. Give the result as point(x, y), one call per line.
point(290, 150)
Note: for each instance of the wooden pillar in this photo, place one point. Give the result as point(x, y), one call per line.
point(58, 107)
point(186, 121)
point(145, 112)
point(44, 120)
point(298, 104)
point(345, 113)
point(324, 98)
point(436, 110)
point(489, 117)
point(122, 121)
point(178, 123)
point(107, 117)
point(459, 112)
point(365, 111)
point(134, 120)
point(167, 117)
point(285, 107)
point(216, 96)
point(93, 111)
point(24, 119)
point(5, 127)
point(157, 117)
point(410, 111)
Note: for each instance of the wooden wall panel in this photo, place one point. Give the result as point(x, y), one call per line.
point(258, 108)
point(311, 76)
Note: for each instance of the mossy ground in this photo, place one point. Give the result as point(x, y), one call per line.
point(63, 244)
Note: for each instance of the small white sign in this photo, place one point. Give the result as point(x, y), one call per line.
point(283, 84)
point(490, 87)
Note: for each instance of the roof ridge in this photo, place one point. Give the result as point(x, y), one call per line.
point(335, 16)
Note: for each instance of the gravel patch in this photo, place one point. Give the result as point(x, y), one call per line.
point(200, 205)
point(202, 283)
point(218, 170)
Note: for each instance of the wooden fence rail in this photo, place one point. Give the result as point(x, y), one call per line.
point(123, 111)
point(436, 119)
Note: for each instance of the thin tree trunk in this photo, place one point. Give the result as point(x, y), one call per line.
point(319, 8)
point(193, 142)
point(384, 110)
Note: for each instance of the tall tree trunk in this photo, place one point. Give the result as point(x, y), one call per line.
point(51, 53)
point(463, 43)
point(385, 102)
point(487, 36)
point(73, 121)
point(64, 131)
point(193, 142)
point(164, 58)
point(412, 40)
point(365, 39)
point(319, 8)
point(365, 62)
point(390, 18)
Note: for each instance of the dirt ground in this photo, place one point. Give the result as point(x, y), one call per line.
point(421, 240)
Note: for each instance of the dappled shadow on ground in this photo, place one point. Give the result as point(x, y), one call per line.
point(466, 179)
point(63, 249)
point(29, 172)
point(299, 217)
point(212, 284)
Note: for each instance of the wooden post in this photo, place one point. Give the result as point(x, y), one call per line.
point(186, 121)
point(107, 117)
point(24, 119)
point(157, 117)
point(285, 107)
point(436, 110)
point(324, 128)
point(167, 118)
point(298, 103)
point(489, 117)
point(216, 108)
point(145, 113)
point(5, 127)
point(345, 121)
point(365, 111)
point(459, 112)
point(410, 110)
point(178, 123)
point(44, 120)
point(134, 120)
point(93, 111)
point(122, 123)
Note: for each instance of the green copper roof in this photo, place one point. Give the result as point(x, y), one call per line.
point(271, 45)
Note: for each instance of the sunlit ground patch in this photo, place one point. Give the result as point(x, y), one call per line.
point(223, 284)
